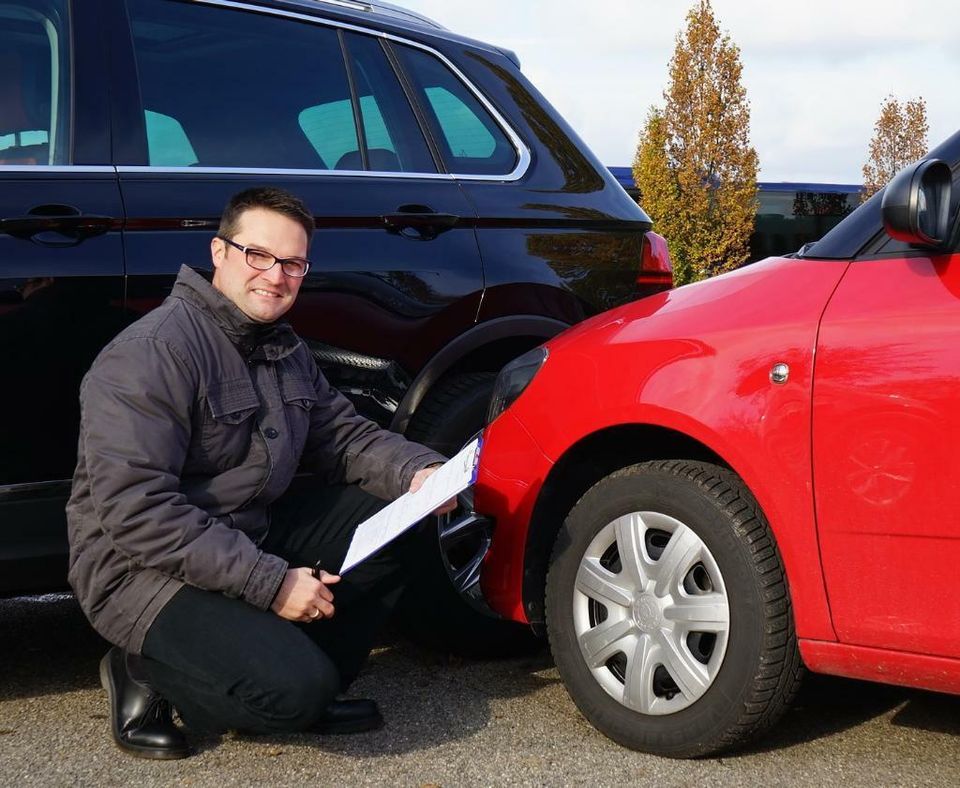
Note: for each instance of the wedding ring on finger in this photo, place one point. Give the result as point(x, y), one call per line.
point(315, 613)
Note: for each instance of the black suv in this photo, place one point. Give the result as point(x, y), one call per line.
point(460, 221)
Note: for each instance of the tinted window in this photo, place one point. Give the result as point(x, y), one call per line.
point(394, 139)
point(469, 138)
point(167, 142)
point(225, 88)
point(34, 82)
point(332, 132)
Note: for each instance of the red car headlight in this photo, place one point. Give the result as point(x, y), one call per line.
point(513, 379)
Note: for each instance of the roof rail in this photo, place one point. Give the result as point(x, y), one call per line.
point(353, 5)
point(389, 9)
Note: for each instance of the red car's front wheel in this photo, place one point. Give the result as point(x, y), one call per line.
point(668, 610)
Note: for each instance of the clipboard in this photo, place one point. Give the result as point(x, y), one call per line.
point(449, 480)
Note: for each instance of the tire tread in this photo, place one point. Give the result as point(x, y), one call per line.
point(437, 405)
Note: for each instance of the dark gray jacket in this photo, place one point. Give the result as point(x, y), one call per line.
point(193, 421)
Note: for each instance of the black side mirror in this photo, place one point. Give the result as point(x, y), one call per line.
point(916, 204)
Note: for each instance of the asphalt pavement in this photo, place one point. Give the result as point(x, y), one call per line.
point(450, 722)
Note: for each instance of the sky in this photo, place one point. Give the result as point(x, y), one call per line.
point(816, 71)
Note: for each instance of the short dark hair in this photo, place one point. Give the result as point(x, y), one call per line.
point(269, 198)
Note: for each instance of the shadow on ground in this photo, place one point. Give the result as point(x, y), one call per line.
point(427, 698)
point(827, 705)
point(48, 647)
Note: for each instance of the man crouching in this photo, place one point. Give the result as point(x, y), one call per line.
point(190, 550)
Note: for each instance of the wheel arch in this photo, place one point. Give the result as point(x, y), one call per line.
point(580, 467)
point(487, 346)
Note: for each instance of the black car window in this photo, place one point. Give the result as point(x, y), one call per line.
point(471, 141)
point(395, 142)
point(34, 82)
point(230, 88)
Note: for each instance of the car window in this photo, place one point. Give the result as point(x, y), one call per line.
point(395, 142)
point(231, 88)
point(167, 142)
point(34, 82)
point(470, 139)
point(332, 132)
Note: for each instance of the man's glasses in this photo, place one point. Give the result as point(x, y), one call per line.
point(263, 261)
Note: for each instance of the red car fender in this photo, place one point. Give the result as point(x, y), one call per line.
point(696, 361)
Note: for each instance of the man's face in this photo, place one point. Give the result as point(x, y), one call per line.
point(263, 296)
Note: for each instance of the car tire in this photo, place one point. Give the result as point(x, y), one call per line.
point(684, 658)
point(431, 612)
point(452, 412)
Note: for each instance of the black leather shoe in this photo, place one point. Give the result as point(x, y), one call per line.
point(349, 716)
point(141, 720)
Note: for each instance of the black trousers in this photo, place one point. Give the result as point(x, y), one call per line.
point(227, 665)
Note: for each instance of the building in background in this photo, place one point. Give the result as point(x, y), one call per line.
point(789, 214)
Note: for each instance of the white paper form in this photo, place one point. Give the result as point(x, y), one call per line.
point(450, 479)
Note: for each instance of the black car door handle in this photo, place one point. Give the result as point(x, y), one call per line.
point(420, 219)
point(64, 221)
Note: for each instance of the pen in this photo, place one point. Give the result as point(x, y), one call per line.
point(316, 568)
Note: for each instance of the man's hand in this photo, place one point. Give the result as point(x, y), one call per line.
point(304, 598)
point(417, 482)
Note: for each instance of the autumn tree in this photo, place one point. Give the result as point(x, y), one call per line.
point(694, 166)
point(899, 139)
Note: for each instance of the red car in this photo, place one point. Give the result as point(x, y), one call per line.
point(706, 490)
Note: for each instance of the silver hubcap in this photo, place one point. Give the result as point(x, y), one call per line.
point(650, 613)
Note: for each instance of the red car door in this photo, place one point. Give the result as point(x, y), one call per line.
point(886, 423)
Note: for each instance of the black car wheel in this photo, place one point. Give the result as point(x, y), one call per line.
point(453, 411)
point(668, 610)
point(432, 611)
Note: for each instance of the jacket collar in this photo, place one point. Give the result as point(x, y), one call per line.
point(270, 341)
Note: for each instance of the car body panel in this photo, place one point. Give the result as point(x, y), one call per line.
point(61, 300)
point(693, 361)
point(887, 473)
point(507, 486)
point(887, 666)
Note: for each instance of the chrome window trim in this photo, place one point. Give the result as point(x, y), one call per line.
point(146, 170)
point(523, 153)
point(58, 168)
point(353, 5)
point(422, 176)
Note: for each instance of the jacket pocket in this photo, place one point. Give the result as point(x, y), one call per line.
point(228, 423)
point(298, 391)
point(232, 401)
point(299, 398)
